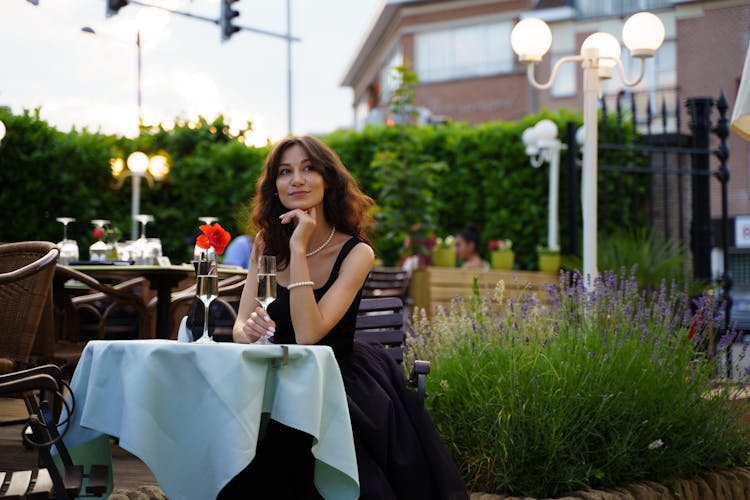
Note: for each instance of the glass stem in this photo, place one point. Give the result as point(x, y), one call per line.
point(205, 320)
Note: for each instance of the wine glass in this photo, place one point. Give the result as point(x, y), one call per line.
point(208, 220)
point(207, 289)
point(68, 248)
point(144, 219)
point(139, 246)
point(266, 292)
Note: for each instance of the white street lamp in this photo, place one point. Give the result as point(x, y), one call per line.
point(139, 166)
point(2, 131)
point(543, 146)
point(643, 34)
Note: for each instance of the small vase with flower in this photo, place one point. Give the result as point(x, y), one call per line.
point(501, 254)
point(213, 240)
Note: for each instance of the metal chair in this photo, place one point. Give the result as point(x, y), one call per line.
point(26, 272)
point(36, 385)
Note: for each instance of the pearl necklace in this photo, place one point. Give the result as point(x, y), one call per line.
point(325, 244)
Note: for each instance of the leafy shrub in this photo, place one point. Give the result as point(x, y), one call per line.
point(459, 173)
point(656, 259)
point(590, 387)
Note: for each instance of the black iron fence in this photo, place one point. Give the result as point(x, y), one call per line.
point(671, 162)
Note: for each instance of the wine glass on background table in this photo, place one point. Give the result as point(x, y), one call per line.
point(68, 248)
point(266, 292)
point(207, 289)
point(138, 251)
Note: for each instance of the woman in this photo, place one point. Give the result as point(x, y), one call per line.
point(467, 249)
point(310, 213)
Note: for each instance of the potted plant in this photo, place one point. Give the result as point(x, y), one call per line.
point(501, 254)
point(549, 259)
point(444, 252)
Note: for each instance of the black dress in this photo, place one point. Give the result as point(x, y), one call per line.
point(399, 453)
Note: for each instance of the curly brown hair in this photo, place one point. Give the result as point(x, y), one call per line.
point(345, 206)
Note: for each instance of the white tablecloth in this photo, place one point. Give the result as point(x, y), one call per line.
point(192, 412)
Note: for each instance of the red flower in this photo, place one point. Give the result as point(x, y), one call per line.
point(213, 236)
point(98, 233)
point(691, 332)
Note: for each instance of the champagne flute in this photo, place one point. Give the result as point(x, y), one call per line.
point(207, 289)
point(266, 292)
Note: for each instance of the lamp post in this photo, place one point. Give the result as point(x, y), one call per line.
point(543, 146)
point(139, 165)
point(92, 31)
point(643, 34)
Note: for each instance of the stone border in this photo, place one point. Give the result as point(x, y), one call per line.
point(730, 484)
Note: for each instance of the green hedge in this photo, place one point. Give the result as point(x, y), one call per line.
point(441, 178)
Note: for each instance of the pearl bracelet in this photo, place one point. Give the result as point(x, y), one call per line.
point(301, 283)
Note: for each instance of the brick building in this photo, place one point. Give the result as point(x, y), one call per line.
point(460, 50)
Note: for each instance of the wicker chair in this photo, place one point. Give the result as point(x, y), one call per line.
point(26, 272)
point(64, 347)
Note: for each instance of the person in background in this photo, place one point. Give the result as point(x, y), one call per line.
point(311, 214)
point(467, 249)
point(238, 251)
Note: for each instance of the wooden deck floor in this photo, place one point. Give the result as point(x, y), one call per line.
point(129, 471)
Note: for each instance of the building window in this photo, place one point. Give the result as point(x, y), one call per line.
point(608, 8)
point(565, 84)
point(390, 79)
point(464, 52)
point(661, 70)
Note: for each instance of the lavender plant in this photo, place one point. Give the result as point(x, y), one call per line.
point(543, 394)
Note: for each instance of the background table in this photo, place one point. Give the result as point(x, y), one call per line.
point(163, 279)
point(192, 412)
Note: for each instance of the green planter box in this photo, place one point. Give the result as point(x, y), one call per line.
point(502, 259)
point(549, 262)
point(444, 257)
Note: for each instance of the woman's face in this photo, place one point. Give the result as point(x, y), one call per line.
point(298, 184)
point(464, 249)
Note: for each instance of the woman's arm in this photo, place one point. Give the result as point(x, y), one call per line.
point(313, 320)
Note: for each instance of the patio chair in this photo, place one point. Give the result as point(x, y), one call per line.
point(49, 481)
point(105, 312)
point(26, 270)
point(380, 321)
point(223, 308)
point(387, 282)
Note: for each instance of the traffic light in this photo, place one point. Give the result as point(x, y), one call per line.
point(113, 6)
point(225, 21)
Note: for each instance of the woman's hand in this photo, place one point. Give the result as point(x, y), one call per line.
point(304, 226)
point(258, 325)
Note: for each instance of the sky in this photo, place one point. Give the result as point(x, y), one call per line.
point(90, 80)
